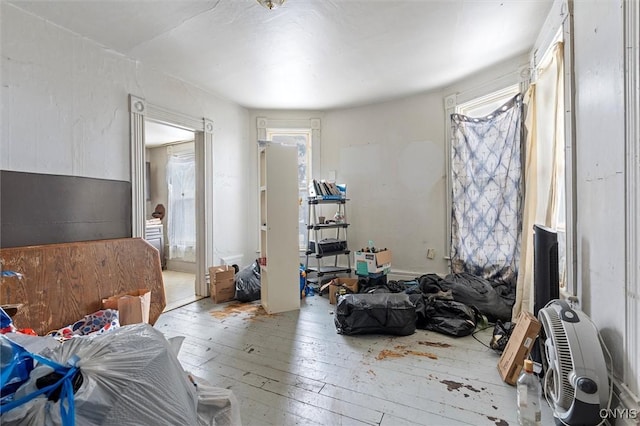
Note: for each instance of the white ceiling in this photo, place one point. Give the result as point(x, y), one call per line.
point(308, 54)
point(156, 134)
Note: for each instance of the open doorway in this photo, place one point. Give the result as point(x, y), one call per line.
point(142, 113)
point(170, 217)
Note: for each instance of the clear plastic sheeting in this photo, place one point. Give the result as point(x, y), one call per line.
point(130, 377)
point(216, 406)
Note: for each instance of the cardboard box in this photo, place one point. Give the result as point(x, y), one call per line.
point(349, 284)
point(518, 347)
point(373, 263)
point(133, 307)
point(222, 283)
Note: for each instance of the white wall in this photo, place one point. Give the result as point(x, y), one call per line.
point(600, 167)
point(391, 156)
point(65, 111)
point(159, 190)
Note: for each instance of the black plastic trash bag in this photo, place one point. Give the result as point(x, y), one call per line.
point(383, 313)
point(417, 299)
point(430, 283)
point(248, 283)
point(501, 334)
point(492, 299)
point(373, 285)
point(402, 286)
point(450, 317)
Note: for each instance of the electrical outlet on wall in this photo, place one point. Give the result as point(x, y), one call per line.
point(431, 253)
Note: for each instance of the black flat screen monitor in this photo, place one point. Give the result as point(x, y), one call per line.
point(546, 279)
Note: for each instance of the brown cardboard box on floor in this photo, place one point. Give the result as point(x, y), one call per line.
point(223, 286)
point(518, 347)
point(350, 284)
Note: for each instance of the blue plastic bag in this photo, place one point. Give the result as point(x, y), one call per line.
point(16, 364)
point(5, 319)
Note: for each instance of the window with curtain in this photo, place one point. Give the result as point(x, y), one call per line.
point(486, 182)
point(476, 104)
point(302, 139)
point(181, 211)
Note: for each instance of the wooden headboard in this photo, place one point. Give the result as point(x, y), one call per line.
point(64, 282)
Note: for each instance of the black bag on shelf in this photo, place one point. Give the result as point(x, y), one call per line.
point(382, 313)
point(327, 245)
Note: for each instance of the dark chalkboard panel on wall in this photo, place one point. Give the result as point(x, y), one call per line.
point(46, 209)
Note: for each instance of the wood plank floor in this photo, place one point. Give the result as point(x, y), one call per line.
point(179, 289)
point(294, 369)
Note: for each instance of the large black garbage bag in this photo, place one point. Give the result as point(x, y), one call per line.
point(383, 313)
point(248, 283)
point(450, 317)
point(493, 299)
point(377, 290)
point(421, 314)
point(373, 285)
point(402, 286)
point(430, 283)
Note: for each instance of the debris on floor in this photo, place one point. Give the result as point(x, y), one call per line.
point(252, 311)
point(434, 344)
point(401, 351)
point(498, 422)
point(452, 385)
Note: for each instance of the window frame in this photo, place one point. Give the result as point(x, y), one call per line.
point(263, 124)
point(307, 133)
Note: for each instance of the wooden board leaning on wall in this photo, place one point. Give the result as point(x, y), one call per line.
point(62, 283)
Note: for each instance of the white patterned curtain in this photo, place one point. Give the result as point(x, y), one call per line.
point(181, 230)
point(486, 172)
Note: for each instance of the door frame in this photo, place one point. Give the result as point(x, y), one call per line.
point(140, 110)
point(631, 16)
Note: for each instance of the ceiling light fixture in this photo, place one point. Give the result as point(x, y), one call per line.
point(271, 4)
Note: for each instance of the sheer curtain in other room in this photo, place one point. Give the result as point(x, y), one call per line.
point(181, 232)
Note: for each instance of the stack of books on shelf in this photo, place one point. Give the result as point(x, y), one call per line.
point(325, 190)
